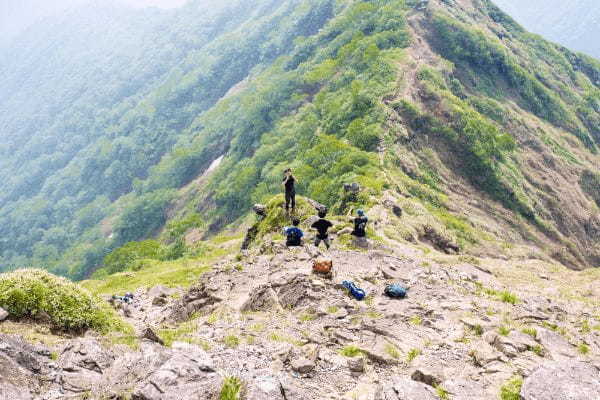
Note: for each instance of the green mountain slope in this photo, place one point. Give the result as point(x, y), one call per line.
point(486, 136)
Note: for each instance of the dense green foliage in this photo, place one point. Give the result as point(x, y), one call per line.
point(80, 133)
point(31, 293)
point(463, 44)
point(105, 151)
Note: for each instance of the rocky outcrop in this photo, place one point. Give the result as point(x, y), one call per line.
point(568, 379)
point(406, 389)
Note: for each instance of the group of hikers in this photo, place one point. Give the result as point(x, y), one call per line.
point(294, 234)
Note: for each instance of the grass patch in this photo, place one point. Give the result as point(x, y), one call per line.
point(511, 390)
point(307, 317)
point(537, 349)
point(231, 341)
point(583, 349)
point(508, 297)
point(258, 327)
point(416, 320)
point(392, 351)
point(279, 337)
point(231, 389)
point(504, 330)
point(179, 273)
point(332, 309)
point(442, 393)
point(412, 354)
point(530, 331)
point(183, 333)
point(351, 351)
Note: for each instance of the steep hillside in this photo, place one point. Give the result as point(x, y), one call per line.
point(472, 146)
point(109, 114)
point(574, 24)
point(487, 133)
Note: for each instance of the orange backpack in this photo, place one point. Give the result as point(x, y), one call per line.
point(323, 266)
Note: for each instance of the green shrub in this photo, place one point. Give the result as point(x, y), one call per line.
point(511, 390)
point(125, 257)
point(508, 297)
point(29, 292)
point(504, 331)
point(351, 351)
point(231, 389)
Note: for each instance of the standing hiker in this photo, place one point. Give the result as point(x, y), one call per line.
point(293, 234)
point(290, 191)
point(360, 224)
point(322, 225)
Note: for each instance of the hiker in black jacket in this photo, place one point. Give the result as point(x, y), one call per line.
point(289, 181)
point(360, 224)
point(322, 225)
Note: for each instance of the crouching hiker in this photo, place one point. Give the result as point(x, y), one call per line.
point(322, 225)
point(360, 225)
point(293, 234)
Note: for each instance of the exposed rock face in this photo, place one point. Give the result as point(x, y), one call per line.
point(188, 374)
point(568, 379)
point(406, 389)
point(212, 289)
point(3, 314)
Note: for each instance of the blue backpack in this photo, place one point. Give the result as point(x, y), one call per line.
point(358, 293)
point(395, 290)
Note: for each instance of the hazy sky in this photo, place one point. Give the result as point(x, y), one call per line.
point(17, 15)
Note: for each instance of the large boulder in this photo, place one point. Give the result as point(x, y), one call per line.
point(555, 345)
point(564, 380)
point(188, 374)
point(406, 389)
point(22, 366)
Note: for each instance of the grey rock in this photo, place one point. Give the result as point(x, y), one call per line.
point(85, 354)
point(406, 389)
point(484, 354)
point(265, 388)
point(303, 365)
point(260, 209)
point(356, 364)
point(187, 375)
point(564, 380)
point(262, 298)
point(381, 351)
point(427, 375)
point(462, 389)
point(556, 346)
point(352, 187)
point(152, 336)
point(3, 314)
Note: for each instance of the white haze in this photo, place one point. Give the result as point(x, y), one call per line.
point(18, 15)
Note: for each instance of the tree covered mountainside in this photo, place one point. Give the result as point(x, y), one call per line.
point(575, 24)
point(488, 132)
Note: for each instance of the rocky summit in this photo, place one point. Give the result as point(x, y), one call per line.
point(466, 330)
point(156, 164)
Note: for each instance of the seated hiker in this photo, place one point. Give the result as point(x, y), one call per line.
point(293, 234)
point(360, 224)
point(322, 225)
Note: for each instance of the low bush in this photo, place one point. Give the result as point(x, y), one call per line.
point(31, 292)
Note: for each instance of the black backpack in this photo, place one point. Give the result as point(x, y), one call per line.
point(293, 237)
